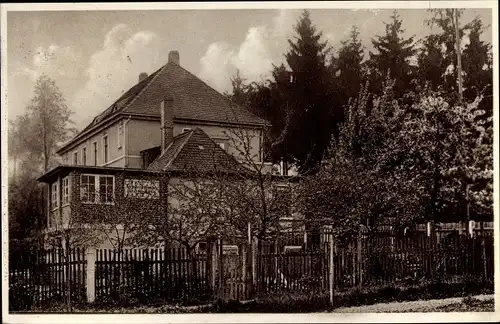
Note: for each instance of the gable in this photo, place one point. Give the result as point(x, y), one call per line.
point(194, 101)
point(195, 151)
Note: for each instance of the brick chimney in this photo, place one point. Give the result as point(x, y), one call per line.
point(167, 122)
point(173, 57)
point(142, 76)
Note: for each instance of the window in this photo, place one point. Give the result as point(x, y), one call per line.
point(94, 147)
point(106, 189)
point(120, 134)
point(97, 189)
point(54, 201)
point(65, 190)
point(105, 148)
point(187, 129)
point(87, 189)
point(84, 156)
point(75, 158)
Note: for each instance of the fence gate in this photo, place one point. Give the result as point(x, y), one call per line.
point(234, 280)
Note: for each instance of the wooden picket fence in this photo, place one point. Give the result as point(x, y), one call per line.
point(43, 277)
point(380, 259)
point(261, 267)
point(306, 271)
point(147, 274)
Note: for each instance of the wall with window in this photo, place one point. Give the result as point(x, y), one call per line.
point(109, 197)
point(59, 200)
point(139, 135)
point(94, 151)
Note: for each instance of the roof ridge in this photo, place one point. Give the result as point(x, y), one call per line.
point(179, 149)
point(218, 93)
point(160, 70)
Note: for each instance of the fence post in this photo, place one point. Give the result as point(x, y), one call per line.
point(359, 260)
point(429, 229)
point(255, 245)
point(220, 255)
point(472, 226)
point(213, 261)
point(332, 264)
point(91, 254)
point(483, 252)
point(460, 228)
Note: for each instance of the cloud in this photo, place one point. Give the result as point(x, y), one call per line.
point(60, 63)
point(113, 69)
point(55, 61)
point(254, 57)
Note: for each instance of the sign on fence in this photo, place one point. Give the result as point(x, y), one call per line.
point(230, 250)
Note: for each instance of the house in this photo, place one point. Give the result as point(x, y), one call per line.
point(124, 132)
point(167, 126)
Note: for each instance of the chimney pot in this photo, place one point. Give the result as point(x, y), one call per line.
point(142, 76)
point(167, 122)
point(173, 57)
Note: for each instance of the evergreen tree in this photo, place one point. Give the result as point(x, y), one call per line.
point(478, 67)
point(303, 96)
point(346, 69)
point(392, 58)
point(431, 64)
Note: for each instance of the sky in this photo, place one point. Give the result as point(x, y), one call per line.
point(95, 56)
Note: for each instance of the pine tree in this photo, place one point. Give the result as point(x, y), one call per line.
point(478, 67)
point(303, 96)
point(431, 64)
point(392, 58)
point(347, 70)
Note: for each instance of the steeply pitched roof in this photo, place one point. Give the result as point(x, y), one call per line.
point(195, 151)
point(193, 100)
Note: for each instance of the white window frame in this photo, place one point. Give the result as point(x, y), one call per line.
point(186, 129)
point(105, 149)
point(97, 181)
point(65, 191)
point(120, 134)
point(112, 202)
point(75, 158)
point(84, 155)
point(54, 196)
point(95, 152)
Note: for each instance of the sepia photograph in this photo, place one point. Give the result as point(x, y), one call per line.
point(206, 160)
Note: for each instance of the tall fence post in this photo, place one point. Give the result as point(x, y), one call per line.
point(91, 258)
point(429, 229)
point(472, 226)
point(332, 265)
point(255, 245)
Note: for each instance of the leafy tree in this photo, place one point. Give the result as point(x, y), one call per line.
point(46, 122)
point(361, 181)
point(392, 58)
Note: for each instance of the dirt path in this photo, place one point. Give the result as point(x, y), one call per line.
point(411, 306)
